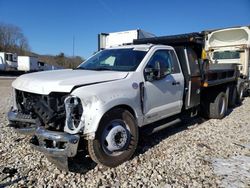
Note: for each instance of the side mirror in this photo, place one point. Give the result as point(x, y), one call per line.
point(149, 74)
point(153, 73)
point(158, 71)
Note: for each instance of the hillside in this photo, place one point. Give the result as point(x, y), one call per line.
point(61, 60)
point(13, 40)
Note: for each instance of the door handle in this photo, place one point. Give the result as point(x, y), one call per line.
point(175, 83)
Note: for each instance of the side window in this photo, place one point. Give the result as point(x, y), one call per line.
point(176, 67)
point(167, 60)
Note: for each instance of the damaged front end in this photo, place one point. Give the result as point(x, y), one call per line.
point(57, 146)
point(54, 120)
point(31, 110)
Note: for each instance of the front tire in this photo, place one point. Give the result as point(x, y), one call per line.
point(116, 138)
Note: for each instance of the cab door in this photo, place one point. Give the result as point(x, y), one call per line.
point(163, 96)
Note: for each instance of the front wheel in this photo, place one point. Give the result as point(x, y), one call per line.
point(116, 138)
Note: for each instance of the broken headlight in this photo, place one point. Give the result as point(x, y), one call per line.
point(13, 96)
point(74, 110)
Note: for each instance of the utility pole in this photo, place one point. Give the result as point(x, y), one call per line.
point(73, 45)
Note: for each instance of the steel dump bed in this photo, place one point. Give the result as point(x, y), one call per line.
point(189, 48)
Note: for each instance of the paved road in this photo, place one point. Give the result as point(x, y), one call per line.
point(5, 82)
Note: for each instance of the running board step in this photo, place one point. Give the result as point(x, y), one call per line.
point(159, 125)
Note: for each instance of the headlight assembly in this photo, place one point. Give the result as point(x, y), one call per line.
point(74, 110)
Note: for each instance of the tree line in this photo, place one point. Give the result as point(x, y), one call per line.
point(13, 40)
point(62, 60)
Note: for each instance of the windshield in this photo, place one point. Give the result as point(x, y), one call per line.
point(226, 55)
point(114, 59)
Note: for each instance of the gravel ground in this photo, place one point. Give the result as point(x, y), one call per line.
point(198, 153)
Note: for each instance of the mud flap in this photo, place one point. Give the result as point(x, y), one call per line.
point(60, 162)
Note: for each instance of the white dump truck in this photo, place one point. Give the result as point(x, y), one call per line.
point(107, 40)
point(117, 92)
point(8, 61)
point(27, 63)
point(231, 45)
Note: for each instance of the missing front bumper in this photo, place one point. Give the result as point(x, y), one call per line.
point(22, 123)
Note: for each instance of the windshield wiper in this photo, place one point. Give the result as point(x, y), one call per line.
point(101, 68)
point(82, 68)
point(94, 69)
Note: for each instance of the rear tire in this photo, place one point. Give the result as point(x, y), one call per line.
point(232, 96)
point(116, 139)
point(240, 94)
point(218, 108)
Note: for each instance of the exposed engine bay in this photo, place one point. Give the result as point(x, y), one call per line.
point(48, 110)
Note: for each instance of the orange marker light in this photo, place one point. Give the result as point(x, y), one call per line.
point(205, 84)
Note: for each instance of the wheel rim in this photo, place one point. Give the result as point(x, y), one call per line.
point(222, 105)
point(115, 138)
point(241, 94)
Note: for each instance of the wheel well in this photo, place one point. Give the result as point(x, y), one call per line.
point(215, 90)
point(126, 107)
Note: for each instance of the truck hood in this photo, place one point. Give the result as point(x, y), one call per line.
point(229, 37)
point(63, 80)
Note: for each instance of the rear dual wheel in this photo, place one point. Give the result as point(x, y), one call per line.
point(232, 101)
point(218, 108)
point(235, 95)
point(116, 138)
point(240, 94)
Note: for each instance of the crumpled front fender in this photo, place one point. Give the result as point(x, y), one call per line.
point(99, 99)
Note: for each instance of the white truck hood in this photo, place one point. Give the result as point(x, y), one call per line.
point(63, 80)
point(229, 37)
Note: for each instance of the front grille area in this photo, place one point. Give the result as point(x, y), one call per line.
point(49, 109)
